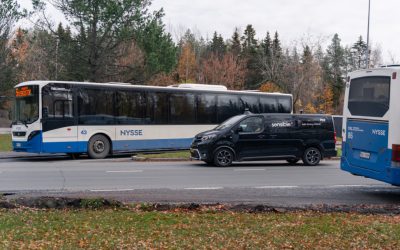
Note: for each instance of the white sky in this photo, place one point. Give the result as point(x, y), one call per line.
point(293, 19)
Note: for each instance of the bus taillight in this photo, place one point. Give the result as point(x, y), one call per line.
point(394, 75)
point(395, 153)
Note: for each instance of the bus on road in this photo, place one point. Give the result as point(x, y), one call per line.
point(371, 124)
point(102, 118)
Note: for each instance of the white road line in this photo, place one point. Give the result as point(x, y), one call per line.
point(204, 188)
point(250, 169)
point(336, 186)
point(271, 187)
point(124, 171)
point(111, 190)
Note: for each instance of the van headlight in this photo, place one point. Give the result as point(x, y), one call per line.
point(208, 137)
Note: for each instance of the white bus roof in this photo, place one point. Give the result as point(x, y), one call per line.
point(388, 68)
point(190, 87)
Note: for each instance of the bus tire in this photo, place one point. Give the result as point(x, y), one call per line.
point(223, 157)
point(98, 147)
point(312, 156)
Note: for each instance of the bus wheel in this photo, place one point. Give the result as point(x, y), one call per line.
point(223, 157)
point(311, 156)
point(293, 161)
point(99, 147)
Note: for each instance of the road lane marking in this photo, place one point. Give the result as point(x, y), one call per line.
point(271, 187)
point(204, 188)
point(124, 171)
point(112, 190)
point(338, 186)
point(250, 169)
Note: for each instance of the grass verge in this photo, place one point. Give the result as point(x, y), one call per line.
point(184, 154)
point(5, 143)
point(122, 228)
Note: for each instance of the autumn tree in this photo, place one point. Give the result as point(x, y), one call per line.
point(187, 65)
point(228, 70)
point(10, 12)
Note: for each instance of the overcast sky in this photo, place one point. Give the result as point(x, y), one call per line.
point(293, 19)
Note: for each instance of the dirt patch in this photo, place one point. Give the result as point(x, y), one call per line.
point(99, 203)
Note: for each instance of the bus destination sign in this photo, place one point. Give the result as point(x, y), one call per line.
point(23, 91)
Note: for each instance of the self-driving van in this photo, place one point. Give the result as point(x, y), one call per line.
point(255, 137)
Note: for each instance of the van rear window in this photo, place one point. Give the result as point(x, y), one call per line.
point(369, 96)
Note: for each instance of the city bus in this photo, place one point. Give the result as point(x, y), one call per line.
point(371, 124)
point(99, 119)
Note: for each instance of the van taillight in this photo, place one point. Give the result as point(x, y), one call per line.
point(396, 153)
point(334, 136)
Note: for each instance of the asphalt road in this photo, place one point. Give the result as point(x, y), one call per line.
point(272, 183)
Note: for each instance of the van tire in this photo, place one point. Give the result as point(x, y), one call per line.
point(98, 147)
point(293, 161)
point(312, 156)
point(223, 157)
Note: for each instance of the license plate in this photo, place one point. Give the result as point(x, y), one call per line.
point(18, 145)
point(365, 155)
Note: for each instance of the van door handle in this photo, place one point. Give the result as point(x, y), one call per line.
point(261, 136)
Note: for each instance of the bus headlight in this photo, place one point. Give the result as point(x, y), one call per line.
point(208, 137)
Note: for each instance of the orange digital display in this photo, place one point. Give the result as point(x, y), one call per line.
point(23, 92)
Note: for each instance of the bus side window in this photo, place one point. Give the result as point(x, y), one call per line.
point(57, 101)
point(206, 109)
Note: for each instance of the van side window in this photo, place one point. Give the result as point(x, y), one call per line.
point(252, 125)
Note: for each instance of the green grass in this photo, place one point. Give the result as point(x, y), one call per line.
point(111, 229)
point(5, 143)
point(184, 154)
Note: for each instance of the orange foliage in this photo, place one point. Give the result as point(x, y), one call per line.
point(187, 64)
point(228, 70)
point(269, 87)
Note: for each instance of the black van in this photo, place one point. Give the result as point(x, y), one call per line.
point(254, 137)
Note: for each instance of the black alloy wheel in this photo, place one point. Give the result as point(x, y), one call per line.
point(312, 156)
point(223, 157)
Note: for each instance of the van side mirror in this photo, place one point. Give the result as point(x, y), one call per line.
point(239, 129)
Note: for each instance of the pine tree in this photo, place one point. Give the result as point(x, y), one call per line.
point(236, 47)
point(217, 45)
point(249, 42)
point(359, 54)
point(334, 69)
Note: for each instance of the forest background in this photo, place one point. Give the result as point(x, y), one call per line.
point(123, 41)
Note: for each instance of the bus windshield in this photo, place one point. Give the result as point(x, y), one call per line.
point(369, 96)
point(26, 105)
point(230, 122)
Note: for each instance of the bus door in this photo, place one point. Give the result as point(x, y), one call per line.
point(59, 122)
point(366, 143)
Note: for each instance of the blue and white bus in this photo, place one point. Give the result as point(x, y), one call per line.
point(371, 124)
point(99, 119)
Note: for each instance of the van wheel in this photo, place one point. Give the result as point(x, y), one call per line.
point(223, 157)
point(98, 147)
point(293, 161)
point(311, 156)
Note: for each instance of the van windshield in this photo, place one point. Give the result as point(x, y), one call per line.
point(230, 122)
